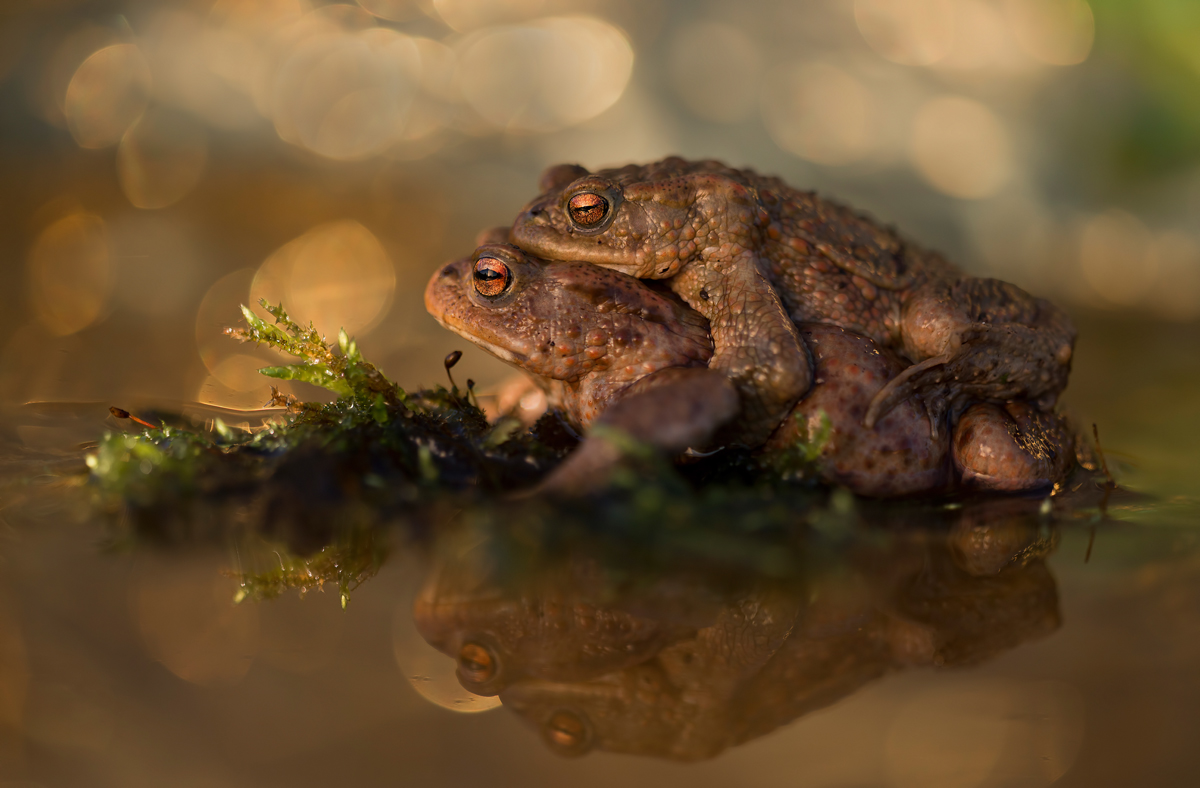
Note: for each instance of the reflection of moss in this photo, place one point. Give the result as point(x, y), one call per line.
point(347, 563)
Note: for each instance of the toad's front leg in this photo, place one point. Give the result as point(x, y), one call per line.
point(668, 411)
point(755, 344)
point(979, 340)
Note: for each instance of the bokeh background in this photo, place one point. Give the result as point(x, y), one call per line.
point(163, 162)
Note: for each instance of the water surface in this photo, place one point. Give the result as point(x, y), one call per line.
point(988, 643)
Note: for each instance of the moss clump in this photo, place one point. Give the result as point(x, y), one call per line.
point(377, 453)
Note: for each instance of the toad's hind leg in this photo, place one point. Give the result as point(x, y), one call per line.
point(755, 344)
point(979, 340)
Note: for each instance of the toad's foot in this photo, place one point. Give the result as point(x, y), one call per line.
point(668, 411)
point(1011, 448)
point(755, 344)
point(979, 340)
point(994, 363)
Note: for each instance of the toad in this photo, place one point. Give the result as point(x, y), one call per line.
point(756, 257)
point(618, 356)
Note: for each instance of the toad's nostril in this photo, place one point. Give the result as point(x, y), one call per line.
point(535, 211)
point(449, 271)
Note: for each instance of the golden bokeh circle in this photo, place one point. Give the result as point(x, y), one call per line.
point(336, 275)
point(108, 93)
point(1116, 257)
point(1054, 32)
point(161, 158)
point(70, 273)
point(546, 75)
point(819, 112)
point(909, 32)
point(960, 147)
point(188, 621)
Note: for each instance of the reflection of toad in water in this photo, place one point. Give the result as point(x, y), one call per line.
point(682, 667)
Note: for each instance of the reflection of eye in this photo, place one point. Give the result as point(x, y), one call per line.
point(567, 733)
point(587, 209)
point(475, 663)
point(491, 276)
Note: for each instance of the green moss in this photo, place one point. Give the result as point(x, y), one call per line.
point(375, 454)
point(342, 370)
point(799, 461)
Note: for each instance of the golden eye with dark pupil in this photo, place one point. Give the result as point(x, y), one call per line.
point(567, 732)
point(491, 276)
point(588, 209)
point(475, 663)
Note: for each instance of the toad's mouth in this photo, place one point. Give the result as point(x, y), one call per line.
point(472, 334)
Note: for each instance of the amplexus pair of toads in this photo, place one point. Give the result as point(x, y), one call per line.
point(794, 308)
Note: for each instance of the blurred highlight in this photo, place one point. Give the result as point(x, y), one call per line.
point(466, 15)
point(334, 82)
point(336, 275)
point(70, 273)
point(221, 309)
point(546, 75)
point(819, 112)
point(909, 32)
point(1177, 261)
point(161, 159)
point(973, 33)
point(960, 147)
point(392, 10)
point(1117, 259)
point(344, 94)
point(188, 622)
point(981, 38)
point(1056, 32)
point(107, 95)
point(233, 379)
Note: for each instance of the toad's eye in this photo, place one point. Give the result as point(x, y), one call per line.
point(567, 733)
point(587, 209)
point(476, 664)
point(491, 276)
